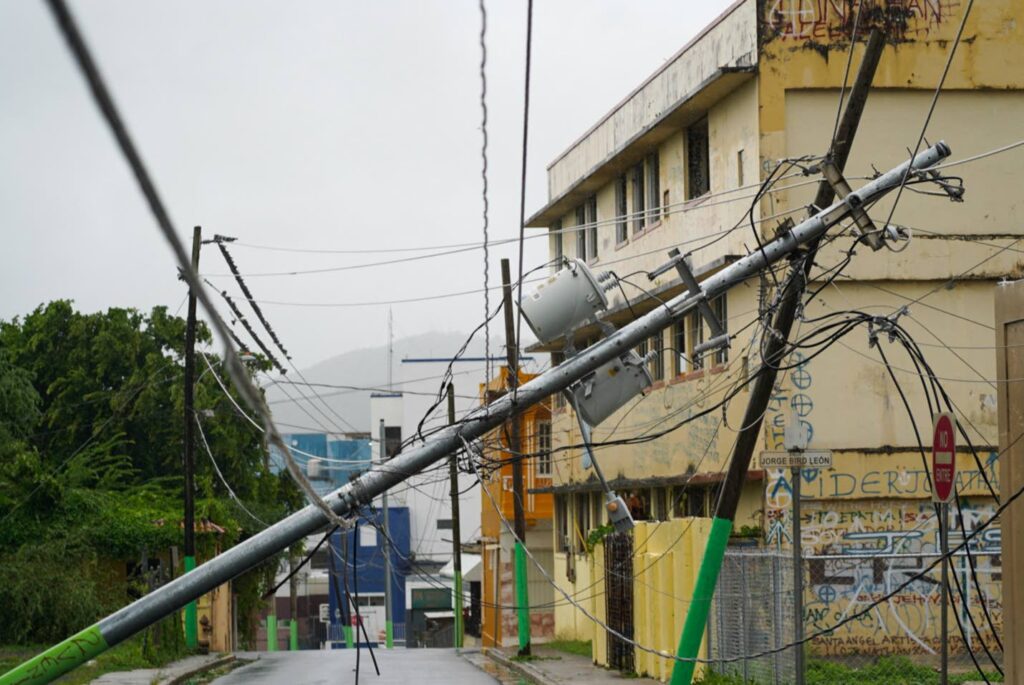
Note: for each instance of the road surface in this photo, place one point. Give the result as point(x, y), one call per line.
point(337, 667)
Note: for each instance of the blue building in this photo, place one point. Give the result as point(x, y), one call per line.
point(327, 463)
point(356, 568)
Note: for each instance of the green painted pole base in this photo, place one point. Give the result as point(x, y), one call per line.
point(389, 635)
point(58, 660)
point(271, 633)
point(459, 628)
point(522, 600)
point(347, 629)
point(191, 614)
point(703, 591)
point(293, 635)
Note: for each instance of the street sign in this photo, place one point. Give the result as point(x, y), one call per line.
point(810, 459)
point(325, 613)
point(944, 457)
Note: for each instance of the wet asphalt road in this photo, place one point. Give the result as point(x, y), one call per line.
point(337, 667)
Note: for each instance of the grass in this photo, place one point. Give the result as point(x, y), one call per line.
point(126, 656)
point(890, 670)
point(577, 647)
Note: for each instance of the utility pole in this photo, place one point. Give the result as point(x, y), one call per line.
point(453, 475)
point(750, 431)
point(389, 626)
point(189, 459)
point(514, 447)
point(346, 500)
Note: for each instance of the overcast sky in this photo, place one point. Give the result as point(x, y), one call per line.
point(312, 125)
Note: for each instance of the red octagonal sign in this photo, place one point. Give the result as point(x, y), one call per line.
point(944, 457)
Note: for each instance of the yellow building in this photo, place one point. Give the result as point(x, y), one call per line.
point(677, 163)
point(498, 624)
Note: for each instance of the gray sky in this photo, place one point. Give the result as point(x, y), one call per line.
point(323, 125)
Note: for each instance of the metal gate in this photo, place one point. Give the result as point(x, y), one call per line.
point(618, 580)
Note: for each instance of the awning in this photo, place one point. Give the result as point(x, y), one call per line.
point(471, 569)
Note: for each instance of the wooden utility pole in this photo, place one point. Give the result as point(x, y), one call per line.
point(453, 475)
point(750, 433)
point(514, 448)
point(189, 458)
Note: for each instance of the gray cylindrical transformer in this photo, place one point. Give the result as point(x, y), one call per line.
point(564, 302)
point(600, 395)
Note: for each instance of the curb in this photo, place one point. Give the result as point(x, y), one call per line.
point(181, 678)
point(524, 668)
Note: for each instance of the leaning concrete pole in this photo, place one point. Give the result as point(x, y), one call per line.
point(750, 433)
point(348, 499)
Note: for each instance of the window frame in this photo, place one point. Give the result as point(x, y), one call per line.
point(590, 214)
point(698, 154)
point(720, 307)
point(581, 233)
point(652, 171)
point(556, 229)
point(621, 210)
point(542, 465)
point(679, 338)
point(657, 364)
point(639, 199)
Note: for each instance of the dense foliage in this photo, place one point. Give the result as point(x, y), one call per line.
point(91, 448)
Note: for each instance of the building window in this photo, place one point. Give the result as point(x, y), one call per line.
point(721, 311)
point(582, 520)
point(739, 168)
point(591, 216)
point(657, 363)
point(444, 524)
point(564, 542)
point(661, 504)
point(679, 346)
point(556, 238)
point(544, 448)
point(621, 210)
point(694, 339)
point(556, 359)
point(639, 215)
point(653, 186)
point(581, 233)
point(698, 165)
point(642, 348)
point(597, 509)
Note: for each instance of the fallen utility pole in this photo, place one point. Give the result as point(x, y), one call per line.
point(514, 448)
point(750, 431)
point(453, 475)
point(348, 499)
point(189, 455)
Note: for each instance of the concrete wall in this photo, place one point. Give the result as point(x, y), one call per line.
point(729, 43)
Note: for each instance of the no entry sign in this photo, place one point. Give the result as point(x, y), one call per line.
point(944, 457)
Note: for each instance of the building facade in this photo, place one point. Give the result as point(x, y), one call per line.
point(680, 162)
point(499, 624)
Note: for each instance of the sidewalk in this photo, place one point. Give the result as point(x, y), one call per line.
point(171, 674)
point(551, 667)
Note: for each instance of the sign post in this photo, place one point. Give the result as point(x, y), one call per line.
point(943, 489)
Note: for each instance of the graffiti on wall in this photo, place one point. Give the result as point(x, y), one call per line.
point(826, 21)
point(857, 475)
point(860, 552)
point(791, 397)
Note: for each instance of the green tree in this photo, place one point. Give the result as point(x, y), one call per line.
point(91, 427)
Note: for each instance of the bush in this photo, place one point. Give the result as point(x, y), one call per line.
point(47, 597)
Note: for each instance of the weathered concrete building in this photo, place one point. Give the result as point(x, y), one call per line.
point(678, 163)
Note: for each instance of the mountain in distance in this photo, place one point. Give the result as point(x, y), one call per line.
point(362, 372)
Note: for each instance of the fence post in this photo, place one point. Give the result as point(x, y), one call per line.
point(743, 618)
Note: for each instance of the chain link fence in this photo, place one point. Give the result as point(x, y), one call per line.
point(752, 613)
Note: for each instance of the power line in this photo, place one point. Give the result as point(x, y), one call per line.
point(484, 189)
